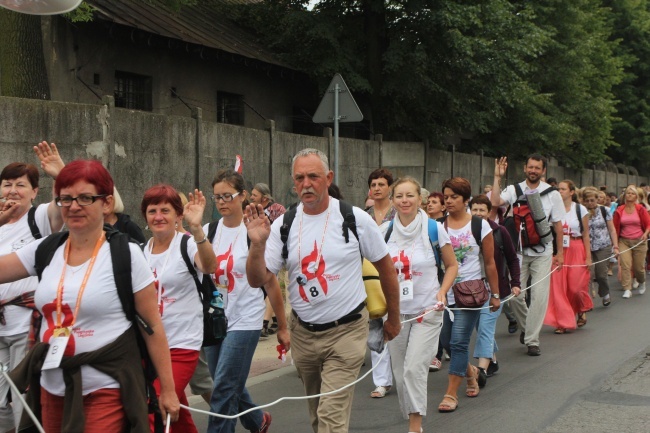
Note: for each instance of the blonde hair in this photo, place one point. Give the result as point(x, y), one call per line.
point(642, 197)
point(118, 204)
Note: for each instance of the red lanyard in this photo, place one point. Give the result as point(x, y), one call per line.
point(59, 290)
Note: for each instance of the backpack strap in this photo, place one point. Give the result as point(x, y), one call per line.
point(349, 220)
point(433, 240)
point(518, 191)
point(289, 216)
point(212, 230)
point(548, 190)
point(604, 212)
point(477, 228)
point(31, 220)
point(46, 249)
point(190, 267)
point(579, 214)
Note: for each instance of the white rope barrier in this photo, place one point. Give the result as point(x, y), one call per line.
point(607, 259)
point(306, 397)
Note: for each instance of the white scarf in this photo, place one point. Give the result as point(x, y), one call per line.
point(406, 236)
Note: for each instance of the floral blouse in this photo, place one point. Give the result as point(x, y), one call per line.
point(598, 233)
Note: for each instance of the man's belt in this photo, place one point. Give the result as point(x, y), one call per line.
point(319, 327)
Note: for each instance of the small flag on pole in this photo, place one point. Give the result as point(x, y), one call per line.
point(239, 164)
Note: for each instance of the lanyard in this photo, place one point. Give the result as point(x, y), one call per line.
point(82, 287)
point(158, 275)
point(322, 241)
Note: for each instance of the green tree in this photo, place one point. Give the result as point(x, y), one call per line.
point(631, 22)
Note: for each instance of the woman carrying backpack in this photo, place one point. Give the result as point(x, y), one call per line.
point(457, 192)
point(569, 293)
point(83, 313)
point(179, 302)
point(230, 360)
point(410, 247)
point(603, 240)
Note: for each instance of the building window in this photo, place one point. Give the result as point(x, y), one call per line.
point(230, 108)
point(132, 91)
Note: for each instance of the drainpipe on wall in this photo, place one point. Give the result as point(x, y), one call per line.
point(379, 138)
point(270, 126)
point(197, 113)
point(108, 101)
point(453, 158)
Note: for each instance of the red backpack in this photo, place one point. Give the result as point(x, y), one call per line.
point(522, 225)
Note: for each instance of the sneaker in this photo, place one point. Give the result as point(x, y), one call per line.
point(635, 284)
point(492, 368)
point(534, 351)
point(627, 294)
point(447, 357)
point(435, 365)
point(482, 377)
point(606, 301)
point(512, 327)
point(266, 422)
point(521, 337)
point(642, 288)
point(264, 334)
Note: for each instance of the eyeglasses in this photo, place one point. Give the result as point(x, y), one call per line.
point(82, 200)
point(225, 197)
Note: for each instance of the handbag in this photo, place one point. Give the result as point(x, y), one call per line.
point(471, 293)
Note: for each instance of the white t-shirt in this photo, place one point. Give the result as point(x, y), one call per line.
point(179, 303)
point(338, 276)
point(467, 251)
point(419, 265)
point(101, 318)
point(553, 208)
point(13, 237)
point(244, 304)
point(570, 223)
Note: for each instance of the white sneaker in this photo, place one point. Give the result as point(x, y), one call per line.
point(635, 284)
point(642, 288)
point(627, 294)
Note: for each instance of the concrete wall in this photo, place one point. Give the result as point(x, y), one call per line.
point(142, 149)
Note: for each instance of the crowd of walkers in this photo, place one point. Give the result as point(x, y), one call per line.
point(105, 328)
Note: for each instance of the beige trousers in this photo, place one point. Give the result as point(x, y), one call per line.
point(633, 259)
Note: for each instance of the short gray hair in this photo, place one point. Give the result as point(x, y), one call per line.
point(264, 190)
point(311, 151)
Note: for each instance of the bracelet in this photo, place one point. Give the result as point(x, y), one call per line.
point(205, 239)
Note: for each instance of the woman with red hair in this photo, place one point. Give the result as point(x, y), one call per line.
point(82, 312)
point(179, 303)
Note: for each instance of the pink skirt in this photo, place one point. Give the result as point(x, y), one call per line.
point(569, 292)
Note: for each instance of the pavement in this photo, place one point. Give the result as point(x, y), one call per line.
point(617, 398)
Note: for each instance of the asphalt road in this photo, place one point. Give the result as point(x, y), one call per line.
point(529, 394)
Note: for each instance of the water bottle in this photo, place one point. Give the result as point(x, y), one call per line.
point(218, 318)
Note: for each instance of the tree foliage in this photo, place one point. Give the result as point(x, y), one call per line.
point(518, 75)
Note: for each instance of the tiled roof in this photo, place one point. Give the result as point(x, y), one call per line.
point(197, 24)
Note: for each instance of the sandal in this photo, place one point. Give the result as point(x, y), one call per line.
point(582, 320)
point(472, 389)
point(449, 403)
point(380, 392)
point(560, 330)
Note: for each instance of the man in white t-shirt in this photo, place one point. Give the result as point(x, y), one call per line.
point(536, 264)
point(329, 325)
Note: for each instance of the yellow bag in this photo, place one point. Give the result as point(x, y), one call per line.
point(375, 302)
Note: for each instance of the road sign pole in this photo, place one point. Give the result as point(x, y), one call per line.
point(337, 89)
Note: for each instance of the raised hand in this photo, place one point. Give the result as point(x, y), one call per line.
point(500, 166)
point(257, 223)
point(51, 161)
point(193, 210)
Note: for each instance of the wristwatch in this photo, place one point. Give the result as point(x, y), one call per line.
point(494, 295)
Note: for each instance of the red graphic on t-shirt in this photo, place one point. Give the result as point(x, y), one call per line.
point(156, 284)
point(49, 312)
point(566, 229)
point(406, 264)
point(311, 258)
point(226, 270)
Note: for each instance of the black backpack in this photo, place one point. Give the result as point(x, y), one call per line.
point(349, 225)
point(31, 221)
point(121, 258)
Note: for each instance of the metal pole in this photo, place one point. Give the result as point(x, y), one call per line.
point(337, 89)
